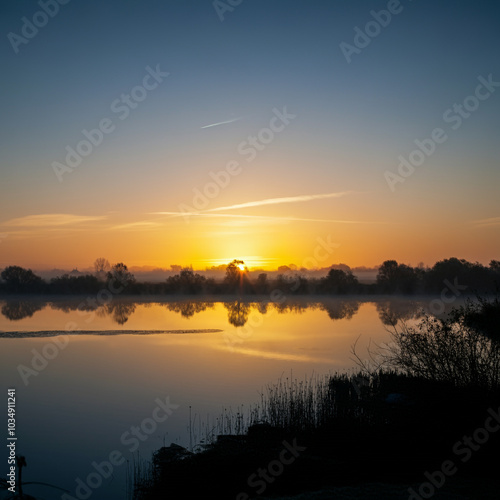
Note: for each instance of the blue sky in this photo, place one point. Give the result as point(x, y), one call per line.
point(352, 122)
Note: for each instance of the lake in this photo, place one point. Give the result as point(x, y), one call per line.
point(121, 392)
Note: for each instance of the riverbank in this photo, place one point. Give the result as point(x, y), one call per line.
point(429, 415)
point(345, 435)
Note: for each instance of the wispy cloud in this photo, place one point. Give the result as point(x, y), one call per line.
point(270, 218)
point(258, 217)
point(223, 123)
point(136, 225)
point(287, 199)
point(492, 221)
point(48, 220)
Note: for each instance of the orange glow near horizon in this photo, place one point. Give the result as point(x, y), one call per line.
point(155, 249)
point(66, 241)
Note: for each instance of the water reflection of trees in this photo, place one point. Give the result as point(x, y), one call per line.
point(343, 309)
point(20, 309)
point(187, 309)
point(392, 311)
point(292, 307)
point(389, 311)
point(262, 307)
point(120, 311)
point(237, 312)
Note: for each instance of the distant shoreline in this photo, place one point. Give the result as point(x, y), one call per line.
point(147, 298)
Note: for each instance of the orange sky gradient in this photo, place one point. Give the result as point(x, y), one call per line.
point(260, 125)
point(305, 237)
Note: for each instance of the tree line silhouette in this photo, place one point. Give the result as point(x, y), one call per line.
point(449, 275)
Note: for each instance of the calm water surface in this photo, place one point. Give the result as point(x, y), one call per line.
point(75, 410)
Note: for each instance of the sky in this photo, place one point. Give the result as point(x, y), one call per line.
point(278, 132)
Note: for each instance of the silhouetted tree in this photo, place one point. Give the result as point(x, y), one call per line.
point(474, 276)
point(20, 280)
point(299, 284)
point(186, 282)
point(393, 278)
point(67, 284)
point(339, 281)
point(495, 272)
point(291, 284)
point(236, 276)
point(261, 284)
point(211, 286)
point(120, 273)
point(408, 279)
point(101, 268)
point(387, 276)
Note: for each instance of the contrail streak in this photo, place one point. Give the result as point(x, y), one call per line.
point(275, 201)
point(222, 123)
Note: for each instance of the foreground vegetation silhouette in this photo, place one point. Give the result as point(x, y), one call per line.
point(413, 404)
